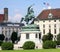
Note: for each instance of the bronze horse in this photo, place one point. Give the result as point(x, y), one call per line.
point(29, 16)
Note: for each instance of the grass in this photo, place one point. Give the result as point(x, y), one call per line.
point(40, 50)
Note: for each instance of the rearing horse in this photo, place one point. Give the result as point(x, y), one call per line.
point(29, 16)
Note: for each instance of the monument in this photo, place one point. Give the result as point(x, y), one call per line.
point(29, 16)
point(30, 32)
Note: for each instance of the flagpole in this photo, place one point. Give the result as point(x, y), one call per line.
point(48, 5)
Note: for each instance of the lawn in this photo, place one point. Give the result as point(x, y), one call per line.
point(41, 50)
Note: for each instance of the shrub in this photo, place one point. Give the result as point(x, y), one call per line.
point(58, 42)
point(44, 38)
point(58, 37)
point(7, 46)
point(49, 36)
point(29, 45)
point(49, 44)
point(1, 42)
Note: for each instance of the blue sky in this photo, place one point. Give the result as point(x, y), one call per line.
point(18, 8)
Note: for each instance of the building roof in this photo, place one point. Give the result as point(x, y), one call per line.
point(1, 17)
point(44, 14)
point(10, 24)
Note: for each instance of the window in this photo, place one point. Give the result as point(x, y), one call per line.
point(43, 31)
point(54, 20)
point(49, 20)
point(2, 28)
point(27, 36)
point(54, 31)
point(37, 27)
point(49, 26)
point(50, 30)
point(13, 28)
point(36, 36)
point(6, 28)
point(9, 31)
point(17, 30)
point(43, 26)
point(55, 25)
point(39, 35)
point(44, 21)
point(6, 33)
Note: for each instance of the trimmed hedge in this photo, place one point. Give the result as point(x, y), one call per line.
point(49, 44)
point(29, 45)
point(7, 46)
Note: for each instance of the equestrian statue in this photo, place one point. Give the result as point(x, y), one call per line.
point(29, 16)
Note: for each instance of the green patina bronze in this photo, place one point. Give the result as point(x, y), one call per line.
point(32, 27)
point(29, 16)
point(29, 27)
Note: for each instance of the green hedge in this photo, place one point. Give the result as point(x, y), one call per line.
point(7, 46)
point(29, 45)
point(49, 44)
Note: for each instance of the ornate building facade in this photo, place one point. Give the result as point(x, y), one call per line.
point(49, 21)
point(8, 28)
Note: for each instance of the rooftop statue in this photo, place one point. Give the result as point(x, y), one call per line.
point(29, 16)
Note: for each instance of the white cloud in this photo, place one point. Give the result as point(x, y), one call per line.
point(49, 7)
point(10, 19)
point(16, 18)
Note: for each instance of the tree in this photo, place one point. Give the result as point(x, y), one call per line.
point(49, 36)
point(44, 38)
point(58, 39)
point(2, 37)
point(14, 37)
